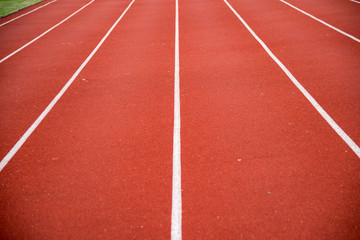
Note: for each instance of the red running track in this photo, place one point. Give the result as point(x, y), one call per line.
point(100, 165)
point(341, 14)
point(258, 161)
point(34, 24)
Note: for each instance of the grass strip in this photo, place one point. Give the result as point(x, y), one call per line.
point(10, 6)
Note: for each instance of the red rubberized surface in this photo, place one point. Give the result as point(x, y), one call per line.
point(31, 78)
point(324, 61)
point(99, 167)
point(258, 161)
point(344, 15)
point(17, 33)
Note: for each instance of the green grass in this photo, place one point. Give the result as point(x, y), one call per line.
point(10, 6)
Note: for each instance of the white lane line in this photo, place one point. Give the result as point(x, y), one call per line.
point(44, 33)
point(321, 21)
point(22, 140)
point(26, 13)
point(316, 105)
point(176, 210)
point(355, 1)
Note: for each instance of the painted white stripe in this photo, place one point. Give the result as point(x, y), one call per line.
point(22, 140)
point(27, 13)
point(321, 21)
point(316, 105)
point(44, 33)
point(176, 211)
point(355, 1)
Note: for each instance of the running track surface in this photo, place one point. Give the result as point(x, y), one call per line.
point(257, 160)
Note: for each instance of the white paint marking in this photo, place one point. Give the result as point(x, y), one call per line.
point(321, 21)
point(26, 13)
point(317, 106)
point(355, 1)
point(22, 140)
point(176, 210)
point(44, 33)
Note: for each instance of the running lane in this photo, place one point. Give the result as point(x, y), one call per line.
point(33, 77)
point(28, 10)
point(258, 161)
point(341, 14)
point(324, 61)
point(19, 32)
point(99, 166)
